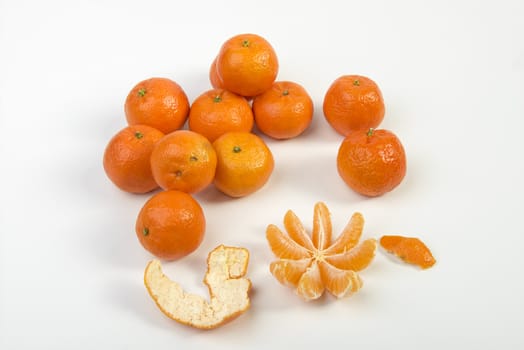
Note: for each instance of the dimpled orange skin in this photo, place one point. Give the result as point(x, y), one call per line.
point(284, 111)
point(410, 249)
point(126, 158)
point(244, 163)
point(352, 103)
point(157, 102)
point(371, 163)
point(247, 65)
point(214, 78)
point(218, 111)
point(171, 225)
point(183, 160)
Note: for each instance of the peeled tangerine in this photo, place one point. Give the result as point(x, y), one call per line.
point(228, 290)
point(313, 264)
point(410, 249)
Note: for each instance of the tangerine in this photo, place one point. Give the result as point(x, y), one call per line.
point(126, 158)
point(183, 160)
point(218, 111)
point(371, 163)
point(353, 103)
point(157, 102)
point(244, 163)
point(214, 78)
point(171, 225)
point(247, 64)
point(284, 111)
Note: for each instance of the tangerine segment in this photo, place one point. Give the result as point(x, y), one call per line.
point(296, 230)
point(349, 236)
point(310, 285)
point(322, 229)
point(339, 282)
point(410, 249)
point(355, 259)
point(283, 246)
point(289, 271)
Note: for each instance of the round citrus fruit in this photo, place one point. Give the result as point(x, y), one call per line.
point(284, 111)
point(214, 78)
point(157, 102)
point(126, 158)
point(244, 163)
point(372, 162)
point(218, 111)
point(170, 225)
point(353, 103)
point(183, 160)
point(247, 64)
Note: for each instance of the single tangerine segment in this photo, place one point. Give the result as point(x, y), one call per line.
point(310, 285)
point(357, 259)
point(283, 246)
point(322, 229)
point(337, 281)
point(410, 249)
point(349, 236)
point(289, 271)
point(296, 230)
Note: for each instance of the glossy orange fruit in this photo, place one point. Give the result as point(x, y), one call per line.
point(244, 163)
point(218, 111)
point(284, 111)
point(247, 64)
point(126, 158)
point(214, 78)
point(353, 103)
point(183, 160)
point(313, 264)
point(157, 102)
point(171, 225)
point(410, 249)
point(371, 162)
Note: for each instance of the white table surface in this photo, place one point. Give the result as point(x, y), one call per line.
point(452, 76)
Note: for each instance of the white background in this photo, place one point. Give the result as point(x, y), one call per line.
point(452, 76)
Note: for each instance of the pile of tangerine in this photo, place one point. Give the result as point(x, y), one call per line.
point(218, 147)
